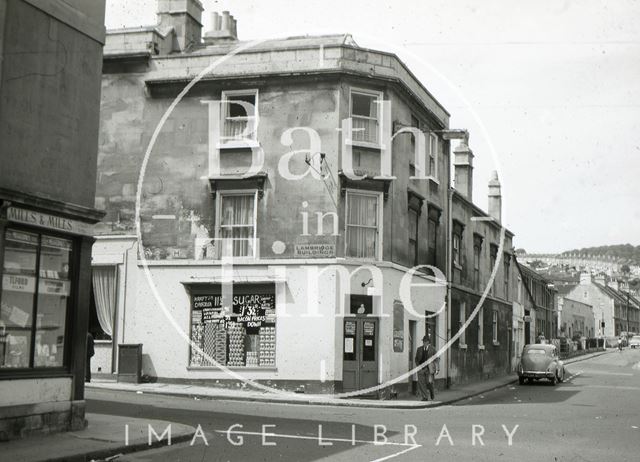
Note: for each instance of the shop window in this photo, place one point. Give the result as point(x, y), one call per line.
point(362, 225)
point(36, 291)
point(239, 115)
point(365, 115)
point(237, 224)
point(241, 334)
point(103, 302)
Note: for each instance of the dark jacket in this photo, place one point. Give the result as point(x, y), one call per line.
point(422, 356)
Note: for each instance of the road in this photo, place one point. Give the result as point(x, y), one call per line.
point(593, 416)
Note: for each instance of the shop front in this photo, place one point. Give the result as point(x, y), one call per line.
point(42, 320)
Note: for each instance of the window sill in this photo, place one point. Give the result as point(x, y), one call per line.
point(365, 144)
point(103, 342)
point(457, 266)
point(496, 343)
point(233, 368)
point(481, 347)
point(462, 346)
point(247, 144)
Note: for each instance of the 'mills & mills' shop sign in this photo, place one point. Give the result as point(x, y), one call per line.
point(44, 220)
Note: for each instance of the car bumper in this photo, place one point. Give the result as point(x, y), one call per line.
point(536, 374)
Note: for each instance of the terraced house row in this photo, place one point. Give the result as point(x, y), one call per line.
point(288, 167)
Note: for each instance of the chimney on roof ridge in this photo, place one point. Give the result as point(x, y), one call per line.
point(463, 169)
point(224, 28)
point(495, 197)
point(185, 16)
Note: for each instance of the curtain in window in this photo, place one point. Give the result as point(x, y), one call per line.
point(237, 224)
point(362, 224)
point(104, 290)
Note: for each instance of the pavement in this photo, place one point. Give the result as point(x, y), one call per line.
point(105, 434)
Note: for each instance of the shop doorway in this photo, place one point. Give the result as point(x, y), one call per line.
point(360, 353)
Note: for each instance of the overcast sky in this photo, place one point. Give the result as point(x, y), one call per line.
point(555, 83)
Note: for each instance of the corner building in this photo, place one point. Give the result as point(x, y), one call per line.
point(318, 261)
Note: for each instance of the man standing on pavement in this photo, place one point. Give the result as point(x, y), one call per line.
point(90, 353)
point(426, 375)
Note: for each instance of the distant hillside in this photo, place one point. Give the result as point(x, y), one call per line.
point(623, 252)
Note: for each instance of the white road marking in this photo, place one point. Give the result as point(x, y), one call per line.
point(595, 372)
point(398, 453)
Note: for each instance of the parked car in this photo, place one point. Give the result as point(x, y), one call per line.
point(635, 341)
point(540, 361)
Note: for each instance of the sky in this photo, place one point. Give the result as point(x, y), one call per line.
point(548, 89)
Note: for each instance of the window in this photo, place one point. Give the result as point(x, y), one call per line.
point(481, 327)
point(237, 224)
point(415, 123)
point(462, 316)
point(413, 236)
point(365, 116)
point(495, 326)
point(239, 115)
point(519, 290)
point(477, 248)
point(362, 225)
point(103, 302)
point(506, 266)
point(433, 223)
point(36, 292)
point(242, 336)
point(493, 256)
point(433, 155)
point(457, 245)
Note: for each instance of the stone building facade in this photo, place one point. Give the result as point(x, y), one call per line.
point(50, 64)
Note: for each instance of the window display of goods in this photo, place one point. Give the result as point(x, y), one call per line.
point(267, 347)
point(236, 335)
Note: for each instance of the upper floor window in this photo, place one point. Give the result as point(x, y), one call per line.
point(413, 236)
point(477, 250)
point(507, 266)
point(362, 225)
point(433, 224)
point(237, 223)
point(365, 114)
point(433, 155)
point(493, 257)
point(462, 317)
point(495, 326)
point(457, 244)
point(239, 115)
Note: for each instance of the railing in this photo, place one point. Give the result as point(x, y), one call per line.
point(365, 129)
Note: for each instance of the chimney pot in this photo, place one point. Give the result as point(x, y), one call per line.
point(463, 170)
point(495, 197)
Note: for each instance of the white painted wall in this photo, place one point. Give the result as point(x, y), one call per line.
point(33, 391)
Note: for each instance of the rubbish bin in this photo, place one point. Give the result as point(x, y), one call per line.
point(130, 362)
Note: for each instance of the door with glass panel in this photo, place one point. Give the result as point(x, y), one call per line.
point(360, 353)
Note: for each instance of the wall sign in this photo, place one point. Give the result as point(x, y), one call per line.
point(314, 250)
point(398, 327)
point(44, 220)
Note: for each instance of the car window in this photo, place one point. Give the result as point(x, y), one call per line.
point(536, 352)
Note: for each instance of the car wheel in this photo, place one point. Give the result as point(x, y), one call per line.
point(561, 377)
point(553, 380)
point(521, 380)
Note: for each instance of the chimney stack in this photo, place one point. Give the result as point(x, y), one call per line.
point(495, 197)
point(224, 28)
point(185, 16)
point(463, 170)
point(613, 284)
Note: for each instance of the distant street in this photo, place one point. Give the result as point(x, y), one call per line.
point(593, 416)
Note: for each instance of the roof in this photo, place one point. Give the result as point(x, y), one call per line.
point(620, 297)
point(481, 213)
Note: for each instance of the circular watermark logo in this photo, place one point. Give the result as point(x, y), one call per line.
point(243, 128)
